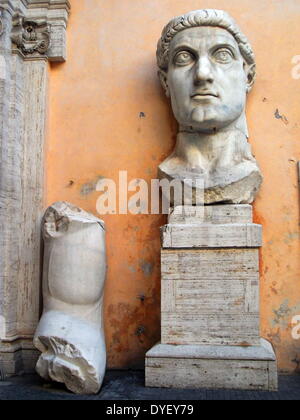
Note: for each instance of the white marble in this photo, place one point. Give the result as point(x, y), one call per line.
point(70, 334)
point(207, 68)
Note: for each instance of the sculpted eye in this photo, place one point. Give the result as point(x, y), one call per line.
point(223, 56)
point(183, 58)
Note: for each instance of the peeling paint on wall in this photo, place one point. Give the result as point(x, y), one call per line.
point(290, 237)
point(90, 187)
point(284, 314)
point(278, 116)
point(147, 268)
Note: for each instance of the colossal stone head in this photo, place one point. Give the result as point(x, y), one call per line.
point(207, 67)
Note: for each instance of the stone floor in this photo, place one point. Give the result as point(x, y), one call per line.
point(129, 385)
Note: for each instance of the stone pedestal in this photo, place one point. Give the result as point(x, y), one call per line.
point(210, 323)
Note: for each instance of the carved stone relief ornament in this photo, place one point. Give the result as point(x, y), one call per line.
point(31, 37)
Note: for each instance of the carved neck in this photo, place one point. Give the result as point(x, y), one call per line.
point(238, 125)
point(201, 150)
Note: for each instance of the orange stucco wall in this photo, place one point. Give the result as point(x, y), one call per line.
point(96, 129)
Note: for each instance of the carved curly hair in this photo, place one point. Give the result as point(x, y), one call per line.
point(209, 17)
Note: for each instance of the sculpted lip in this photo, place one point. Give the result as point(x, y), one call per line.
point(201, 95)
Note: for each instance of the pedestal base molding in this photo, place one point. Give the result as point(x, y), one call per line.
point(212, 367)
point(18, 356)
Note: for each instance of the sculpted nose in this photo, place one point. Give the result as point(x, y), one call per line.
point(203, 71)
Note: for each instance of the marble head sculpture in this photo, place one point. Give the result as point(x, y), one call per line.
point(207, 68)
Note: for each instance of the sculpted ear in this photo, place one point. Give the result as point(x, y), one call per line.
point(163, 80)
point(251, 75)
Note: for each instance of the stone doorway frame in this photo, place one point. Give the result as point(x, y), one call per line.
point(32, 35)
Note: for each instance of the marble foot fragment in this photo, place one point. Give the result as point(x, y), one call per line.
point(70, 334)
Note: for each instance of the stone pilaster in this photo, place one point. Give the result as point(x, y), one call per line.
point(32, 33)
point(210, 315)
